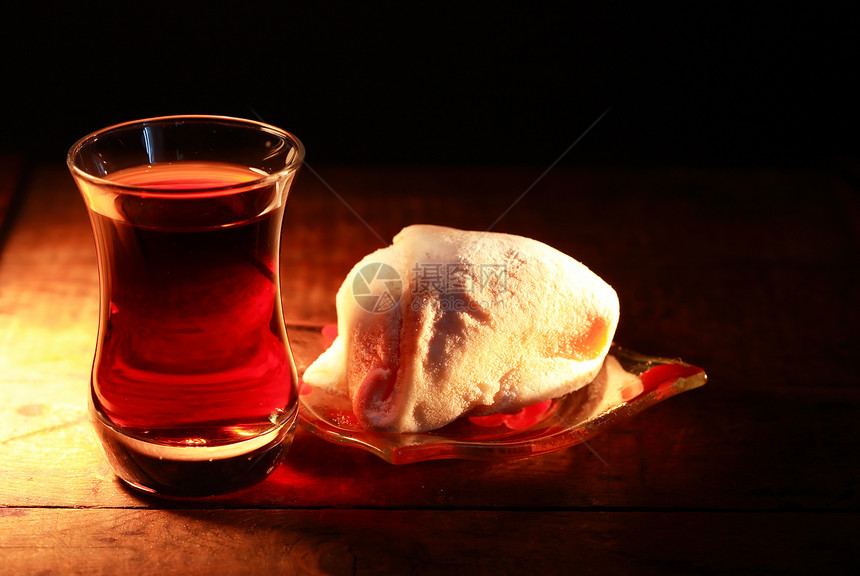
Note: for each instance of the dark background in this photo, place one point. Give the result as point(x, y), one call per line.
point(502, 83)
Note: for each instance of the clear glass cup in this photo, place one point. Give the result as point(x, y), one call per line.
point(193, 388)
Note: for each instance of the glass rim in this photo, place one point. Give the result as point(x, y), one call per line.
point(292, 166)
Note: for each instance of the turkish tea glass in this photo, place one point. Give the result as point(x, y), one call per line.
point(193, 389)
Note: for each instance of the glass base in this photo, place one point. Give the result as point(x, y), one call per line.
point(193, 471)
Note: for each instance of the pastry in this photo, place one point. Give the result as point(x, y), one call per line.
point(445, 323)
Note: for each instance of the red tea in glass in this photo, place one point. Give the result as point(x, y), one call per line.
point(193, 390)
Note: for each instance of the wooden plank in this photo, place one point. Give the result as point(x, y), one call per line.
point(711, 448)
point(699, 259)
point(771, 431)
point(11, 181)
point(666, 234)
point(703, 451)
point(227, 542)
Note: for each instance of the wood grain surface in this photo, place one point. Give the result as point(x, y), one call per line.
point(752, 275)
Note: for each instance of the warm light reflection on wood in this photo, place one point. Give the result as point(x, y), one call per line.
point(48, 321)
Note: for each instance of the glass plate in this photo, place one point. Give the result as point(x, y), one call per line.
point(623, 389)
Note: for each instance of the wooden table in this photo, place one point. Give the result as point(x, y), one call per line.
point(752, 275)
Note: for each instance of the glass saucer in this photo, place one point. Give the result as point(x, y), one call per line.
point(630, 383)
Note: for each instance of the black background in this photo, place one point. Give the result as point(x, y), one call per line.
point(504, 83)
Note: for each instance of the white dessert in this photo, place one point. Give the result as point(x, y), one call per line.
point(445, 323)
